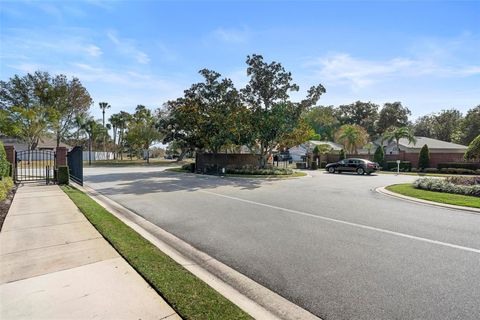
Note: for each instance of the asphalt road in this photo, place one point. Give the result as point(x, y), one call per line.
point(326, 242)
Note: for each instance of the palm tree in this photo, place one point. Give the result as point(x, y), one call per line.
point(124, 119)
point(396, 133)
point(115, 122)
point(94, 131)
point(352, 137)
point(80, 120)
point(104, 106)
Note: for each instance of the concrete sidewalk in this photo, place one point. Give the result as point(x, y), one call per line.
point(55, 265)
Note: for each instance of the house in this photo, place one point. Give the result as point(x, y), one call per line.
point(43, 144)
point(300, 151)
point(440, 151)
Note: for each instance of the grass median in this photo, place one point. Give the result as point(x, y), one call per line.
point(422, 174)
point(189, 296)
point(295, 174)
point(407, 189)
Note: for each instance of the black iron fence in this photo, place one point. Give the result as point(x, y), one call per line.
point(34, 165)
point(75, 165)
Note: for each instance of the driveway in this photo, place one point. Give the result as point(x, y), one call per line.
point(326, 242)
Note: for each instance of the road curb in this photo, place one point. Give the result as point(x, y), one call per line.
point(386, 192)
point(255, 299)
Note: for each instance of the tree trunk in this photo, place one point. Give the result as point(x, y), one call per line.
point(114, 143)
point(182, 154)
point(120, 140)
point(89, 151)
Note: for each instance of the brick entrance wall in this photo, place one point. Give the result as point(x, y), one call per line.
point(210, 163)
point(435, 158)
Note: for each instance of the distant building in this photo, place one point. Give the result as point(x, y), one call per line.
point(440, 151)
point(43, 143)
point(300, 151)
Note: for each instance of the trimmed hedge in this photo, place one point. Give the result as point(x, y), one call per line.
point(468, 181)
point(4, 164)
point(459, 165)
point(6, 184)
point(443, 185)
point(392, 166)
point(190, 167)
point(261, 172)
point(457, 171)
point(63, 176)
point(424, 158)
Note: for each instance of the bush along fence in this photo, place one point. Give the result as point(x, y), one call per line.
point(6, 181)
point(29, 170)
point(448, 186)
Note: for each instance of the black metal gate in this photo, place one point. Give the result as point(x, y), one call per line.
point(75, 165)
point(34, 165)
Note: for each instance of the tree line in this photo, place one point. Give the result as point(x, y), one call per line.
point(215, 116)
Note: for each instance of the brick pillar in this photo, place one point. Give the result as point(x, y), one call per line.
point(61, 154)
point(10, 151)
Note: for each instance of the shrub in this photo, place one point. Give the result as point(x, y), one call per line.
point(443, 185)
point(392, 165)
point(4, 164)
point(424, 158)
point(414, 169)
point(251, 171)
point(190, 167)
point(457, 171)
point(430, 170)
point(6, 184)
point(459, 165)
point(473, 151)
point(63, 175)
point(379, 156)
point(323, 164)
point(342, 154)
point(467, 181)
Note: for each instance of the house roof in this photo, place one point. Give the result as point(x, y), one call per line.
point(43, 143)
point(333, 145)
point(431, 143)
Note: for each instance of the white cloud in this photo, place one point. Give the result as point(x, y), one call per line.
point(232, 35)
point(93, 50)
point(342, 68)
point(23, 43)
point(128, 48)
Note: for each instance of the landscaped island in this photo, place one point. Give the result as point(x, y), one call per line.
point(460, 191)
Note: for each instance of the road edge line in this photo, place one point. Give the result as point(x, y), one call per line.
point(384, 191)
point(255, 299)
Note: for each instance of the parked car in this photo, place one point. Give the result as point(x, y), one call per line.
point(360, 166)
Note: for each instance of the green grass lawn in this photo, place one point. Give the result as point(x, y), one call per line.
point(420, 174)
point(189, 296)
point(407, 189)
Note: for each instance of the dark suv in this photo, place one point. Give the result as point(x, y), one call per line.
point(360, 166)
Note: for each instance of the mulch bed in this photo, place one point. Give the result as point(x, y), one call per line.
point(5, 205)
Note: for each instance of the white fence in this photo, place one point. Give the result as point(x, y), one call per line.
point(97, 155)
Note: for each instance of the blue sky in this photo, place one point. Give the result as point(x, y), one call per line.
point(425, 54)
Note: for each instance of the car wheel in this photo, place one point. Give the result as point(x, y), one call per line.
point(360, 171)
point(331, 170)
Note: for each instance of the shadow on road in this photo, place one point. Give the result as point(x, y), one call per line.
point(163, 181)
